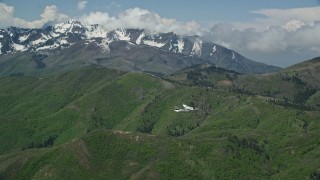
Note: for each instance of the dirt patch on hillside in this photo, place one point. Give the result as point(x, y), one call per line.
point(225, 83)
point(81, 152)
point(167, 85)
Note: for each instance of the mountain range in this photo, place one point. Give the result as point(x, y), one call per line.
point(99, 123)
point(71, 44)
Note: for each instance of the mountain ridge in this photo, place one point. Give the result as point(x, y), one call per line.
point(58, 37)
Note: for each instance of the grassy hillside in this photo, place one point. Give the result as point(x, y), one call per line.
point(102, 123)
point(37, 107)
point(297, 86)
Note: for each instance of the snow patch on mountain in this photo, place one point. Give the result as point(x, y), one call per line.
point(19, 47)
point(176, 47)
point(0, 48)
point(46, 37)
point(1, 36)
point(131, 44)
point(139, 39)
point(72, 28)
point(214, 50)
point(95, 31)
point(233, 55)
point(48, 47)
point(153, 43)
point(24, 38)
point(63, 41)
point(41, 40)
point(53, 34)
point(180, 45)
point(62, 28)
point(38, 41)
point(122, 35)
point(197, 48)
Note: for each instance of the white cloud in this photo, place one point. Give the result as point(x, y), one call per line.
point(270, 41)
point(82, 5)
point(294, 25)
point(50, 14)
point(97, 18)
point(291, 33)
point(140, 18)
point(130, 18)
point(309, 14)
point(279, 17)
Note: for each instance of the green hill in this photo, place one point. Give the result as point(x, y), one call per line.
point(297, 86)
point(98, 123)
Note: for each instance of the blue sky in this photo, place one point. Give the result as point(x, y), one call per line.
point(182, 10)
point(277, 32)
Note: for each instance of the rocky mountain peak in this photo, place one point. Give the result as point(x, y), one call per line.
point(65, 35)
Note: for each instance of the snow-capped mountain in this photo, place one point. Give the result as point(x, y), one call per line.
point(73, 34)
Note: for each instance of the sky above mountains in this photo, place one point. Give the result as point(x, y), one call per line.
point(271, 31)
